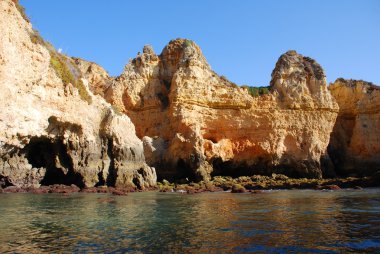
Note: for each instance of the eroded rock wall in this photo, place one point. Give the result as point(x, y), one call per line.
point(205, 125)
point(193, 123)
point(355, 141)
point(49, 132)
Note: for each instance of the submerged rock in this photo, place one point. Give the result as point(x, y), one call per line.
point(119, 192)
point(59, 188)
point(237, 188)
point(331, 187)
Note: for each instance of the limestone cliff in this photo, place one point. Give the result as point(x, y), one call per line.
point(179, 117)
point(355, 141)
point(196, 124)
point(53, 129)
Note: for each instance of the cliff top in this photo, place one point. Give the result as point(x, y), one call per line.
point(353, 83)
point(356, 96)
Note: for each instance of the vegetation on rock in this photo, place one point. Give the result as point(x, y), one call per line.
point(66, 71)
point(256, 183)
point(61, 69)
point(68, 74)
point(187, 43)
point(257, 91)
point(36, 38)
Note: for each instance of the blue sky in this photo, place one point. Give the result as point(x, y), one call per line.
point(241, 39)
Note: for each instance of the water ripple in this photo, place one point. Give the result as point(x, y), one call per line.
point(274, 222)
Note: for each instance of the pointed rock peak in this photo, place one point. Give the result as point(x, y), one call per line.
point(179, 45)
point(291, 53)
point(148, 49)
point(181, 53)
point(146, 59)
point(297, 67)
point(182, 50)
point(301, 82)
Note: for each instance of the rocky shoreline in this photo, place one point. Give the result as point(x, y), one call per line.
point(170, 116)
point(258, 183)
point(69, 189)
point(254, 184)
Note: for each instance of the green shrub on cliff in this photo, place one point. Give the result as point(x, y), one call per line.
point(257, 91)
point(36, 38)
point(187, 43)
point(61, 69)
point(68, 74)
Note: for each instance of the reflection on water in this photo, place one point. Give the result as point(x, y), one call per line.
point(276, 222)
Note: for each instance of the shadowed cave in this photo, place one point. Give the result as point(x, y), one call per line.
point(180, 171)
point(52, 155)
point(112, 174)
point(261, 167)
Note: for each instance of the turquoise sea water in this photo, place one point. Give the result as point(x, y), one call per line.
point(291, 221)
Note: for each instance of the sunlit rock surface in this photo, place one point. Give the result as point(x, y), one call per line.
point(210, 126)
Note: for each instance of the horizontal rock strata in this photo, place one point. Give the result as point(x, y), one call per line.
point(201, 124)
point(66, 121)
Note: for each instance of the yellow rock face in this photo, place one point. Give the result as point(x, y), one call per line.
point(193, 123)
point(208, 126)
point(355, 141)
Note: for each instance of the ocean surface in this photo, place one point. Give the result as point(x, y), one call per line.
point(293, 221)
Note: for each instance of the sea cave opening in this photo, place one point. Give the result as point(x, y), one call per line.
point(52, 155)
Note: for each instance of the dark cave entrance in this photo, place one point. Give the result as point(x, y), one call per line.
point(229, 168)
point(184, 170)
point(112, 173)
point(111, 177)
point(137, 183)
point(4, 182)
point(237, 169)
point(52, 155)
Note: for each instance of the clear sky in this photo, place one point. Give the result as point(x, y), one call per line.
point(241, 39)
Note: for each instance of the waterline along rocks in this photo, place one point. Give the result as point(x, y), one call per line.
point(170, 116)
